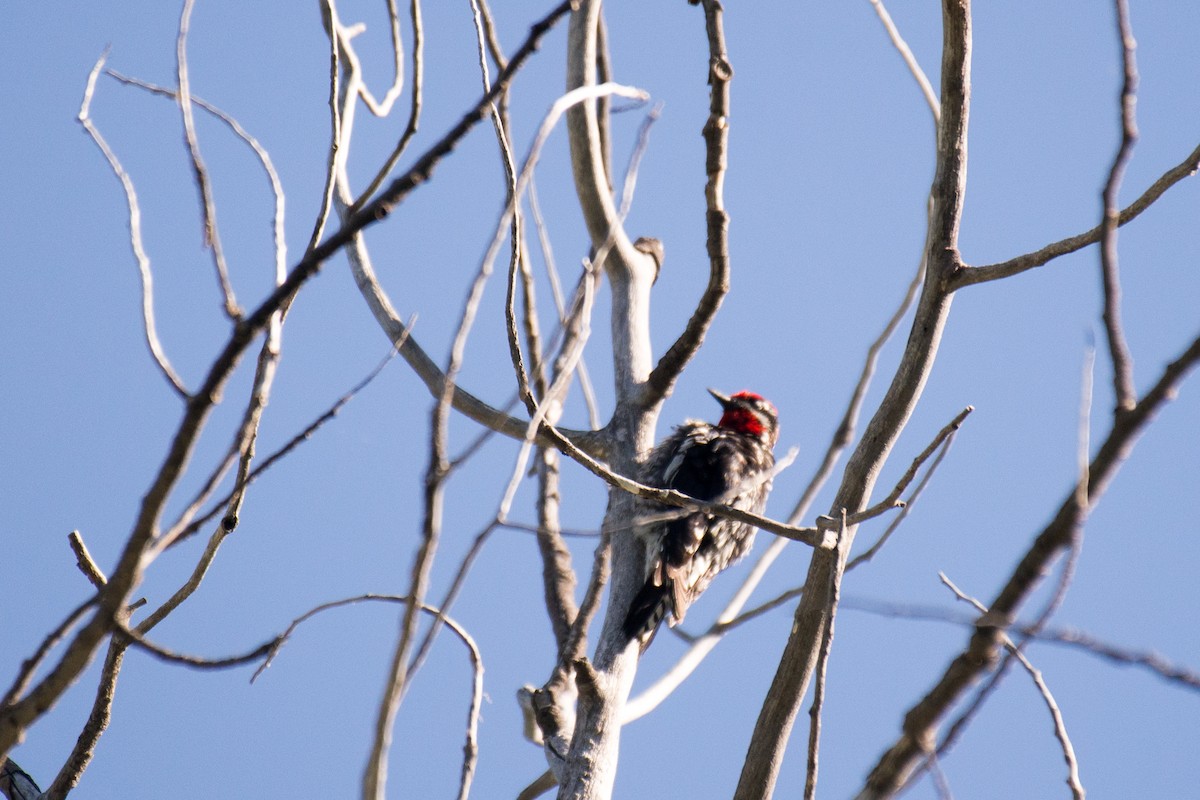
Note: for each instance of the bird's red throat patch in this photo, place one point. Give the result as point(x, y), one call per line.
point(743, 421)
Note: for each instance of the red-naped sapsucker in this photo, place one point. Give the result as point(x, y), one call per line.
point(730, 463)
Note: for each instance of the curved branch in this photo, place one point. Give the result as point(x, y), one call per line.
point(135, 233)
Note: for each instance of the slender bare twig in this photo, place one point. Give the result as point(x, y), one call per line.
point(177, 534)
point(417, 88)
point(83, 560)
point(29, 666)
point(893, 497)
point(910, 60)
point(968, 276)
point(538, 787)
point(333, 156)
point(264, 158)
point(471, 747)
point(1122, 363)
point(135, 233)
point(489, 32)
point(382, 108)
point(456, 584)
point(539, 223)
point(140, 642)
point(716, 142)
point(940, 782)
point(870, 552)
point(212, 235)
point(1060, 728)
point(1067, 637)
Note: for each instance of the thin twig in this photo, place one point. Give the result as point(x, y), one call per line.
point(870, 552)
point(471, 746)
point(135, 233)
point(456, 584)
point(1122, 363)
point(1060, 728)
point(177, 534)
point(893, 498)
point(910, 60)
point(382, 108)
point(716, 143)
point(140, 642)
point(212, 235)
point(414, 116)
point(538, 787)
point(968, 276)
point(1181, 676)
point(334, 155)
point(940, 782)
point(30, 665)
point(264, 158)
point(85, 562)
point(539, 223)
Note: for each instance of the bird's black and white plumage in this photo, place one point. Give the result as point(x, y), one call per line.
point(729, 462)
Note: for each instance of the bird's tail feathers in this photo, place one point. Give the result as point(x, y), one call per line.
point(647, 612)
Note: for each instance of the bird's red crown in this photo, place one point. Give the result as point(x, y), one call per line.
point(749, 414)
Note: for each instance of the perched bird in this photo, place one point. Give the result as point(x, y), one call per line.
point(730, 463)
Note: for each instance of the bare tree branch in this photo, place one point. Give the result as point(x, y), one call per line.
point(818, 702)
point(15, 717)
point(83, 560)
point(870, 552)
point(910, 60)
point(773, 728)
point(471, 748)
point(414, 115)
point(1060, 728)
point(981, 652)
point(716, 142)
point(968, 276)
point(1181, 676)
point(212, 235)
point(135, 233)
point(264, 158)
point(382, 108)
point(1122, 362)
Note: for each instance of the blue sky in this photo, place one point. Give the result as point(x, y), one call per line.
point(830, 161)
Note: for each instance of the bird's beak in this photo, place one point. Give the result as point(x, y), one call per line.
point(721, 398)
